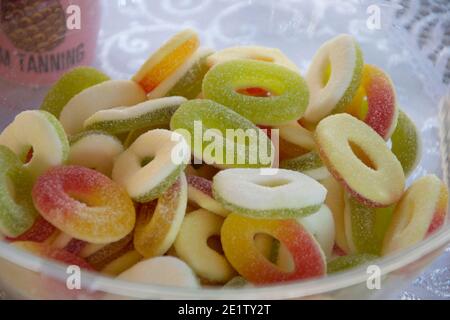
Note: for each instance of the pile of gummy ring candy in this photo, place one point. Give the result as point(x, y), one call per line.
point(90, 178)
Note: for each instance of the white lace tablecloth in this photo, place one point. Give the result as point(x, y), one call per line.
point(130, 26)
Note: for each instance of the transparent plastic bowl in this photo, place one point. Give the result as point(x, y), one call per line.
point(132, 29)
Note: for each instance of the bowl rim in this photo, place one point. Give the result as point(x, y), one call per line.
point(95, 282)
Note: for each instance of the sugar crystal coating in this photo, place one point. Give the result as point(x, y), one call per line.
point(237, 239)
point(406, 143)
point(289, 92)
point(17, 213)
point(158, 224)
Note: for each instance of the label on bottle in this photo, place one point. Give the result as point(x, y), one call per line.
point(42, 39)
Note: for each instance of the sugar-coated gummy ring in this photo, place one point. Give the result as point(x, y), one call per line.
point(148, 167)
point(296, 134)
point(94, 149)
point(105, 95)
point(152, 113)
point(166, 60)
point(17, 212)
point(321, 226)
point(283, 195)
point(40, 131)
point(200, 192)
point(272, 55)
point(359, 158)
point(69, 85)
point(375, 102)
point(334, 91)
point(163, 271)
point(85, 204)
point(187, 80)
point(336, 202)
point(98, 256)
point(406, 143)
point(247, 147)
point(421, 211)
point(237, 237)
point(192, 246)
point(365, 227)
point(158, 223)
point(289, 92)
point(309, 164)
point(349, 262)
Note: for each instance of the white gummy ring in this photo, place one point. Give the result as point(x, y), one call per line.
point(164, 87)
point(254, 53)
point(41, 131)
point(192, 246)
point(95, 150)
point(345, 57)
point(150, 113)
point(147, 181)
point(283, 195)
point(106, 95)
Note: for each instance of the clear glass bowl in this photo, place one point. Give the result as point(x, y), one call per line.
point(416, 60)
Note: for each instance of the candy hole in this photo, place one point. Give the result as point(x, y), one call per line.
point(28, 156)
point(82, 199)
point(145, 161)
point(256, 92)
point(264, 59)
point(285, 261)
point(274, 183)
point(326, 74)
point(215, 244)
point(362, 155)
point(267, 246)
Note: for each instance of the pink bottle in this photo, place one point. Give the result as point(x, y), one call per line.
point(42, 39)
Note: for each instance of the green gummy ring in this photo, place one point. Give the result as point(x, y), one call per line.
point(152, 113)
point(406, 143)
point(212, 115)
point(290, 94)
point(366, 227)
point(17, 212)
point(69, 85)
point(349, 262)
point(310, 164)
